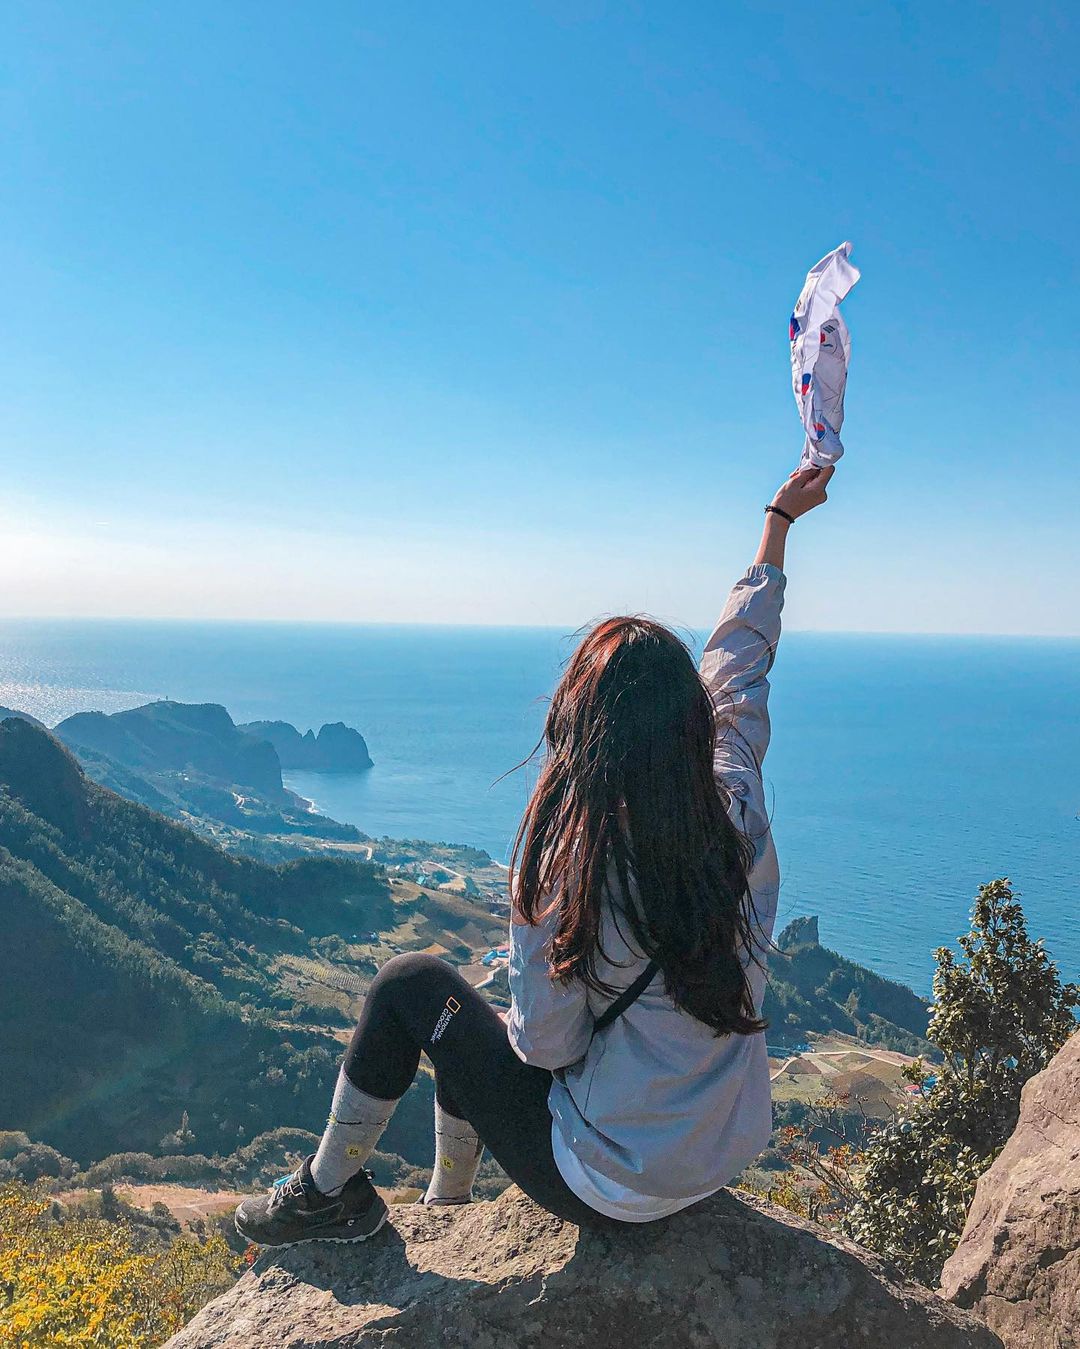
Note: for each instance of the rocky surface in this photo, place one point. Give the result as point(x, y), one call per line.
point(1018, 1261)
point(506, 1275)
point(799, 932)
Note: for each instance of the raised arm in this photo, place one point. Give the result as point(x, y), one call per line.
point(804, 490)
point(740, 652)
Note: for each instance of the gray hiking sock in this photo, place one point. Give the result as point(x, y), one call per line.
point(457, 1158)
point(356, 1123)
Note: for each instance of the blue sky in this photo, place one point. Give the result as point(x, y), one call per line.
point(477, 312)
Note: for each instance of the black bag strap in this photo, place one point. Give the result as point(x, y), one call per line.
point(626, 997)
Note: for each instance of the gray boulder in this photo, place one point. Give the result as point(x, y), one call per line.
point(1018, 1261)
point(731, 1272)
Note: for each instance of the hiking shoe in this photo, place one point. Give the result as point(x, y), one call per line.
point(295, 1210)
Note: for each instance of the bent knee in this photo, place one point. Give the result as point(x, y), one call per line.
point(405, 971)
point(410, 964)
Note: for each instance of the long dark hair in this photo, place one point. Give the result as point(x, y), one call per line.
point(628, 783)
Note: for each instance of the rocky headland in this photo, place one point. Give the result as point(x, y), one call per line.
point(336, 749)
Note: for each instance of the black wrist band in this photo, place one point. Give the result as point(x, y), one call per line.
point(775, 510)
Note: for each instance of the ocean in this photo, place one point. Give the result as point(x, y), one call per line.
point(904, 771)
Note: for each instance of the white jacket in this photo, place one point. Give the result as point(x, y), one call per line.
point(658, 1105)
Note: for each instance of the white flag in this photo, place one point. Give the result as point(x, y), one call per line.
point(820, 351)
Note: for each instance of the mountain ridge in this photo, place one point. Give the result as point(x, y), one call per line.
point(191, 761)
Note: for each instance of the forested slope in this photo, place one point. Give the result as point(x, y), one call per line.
point(138, 967)
point(811, 988)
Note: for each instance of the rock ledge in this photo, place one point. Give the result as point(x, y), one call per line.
point(731, 1272)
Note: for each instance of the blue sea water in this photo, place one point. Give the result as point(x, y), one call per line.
point(904, 770)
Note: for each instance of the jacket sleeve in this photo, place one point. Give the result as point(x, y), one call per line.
point(550, 1024)
point(735, 666)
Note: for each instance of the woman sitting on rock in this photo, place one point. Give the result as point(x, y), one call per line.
point(630, 1078)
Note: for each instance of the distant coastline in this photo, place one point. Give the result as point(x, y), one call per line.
point(901, 772)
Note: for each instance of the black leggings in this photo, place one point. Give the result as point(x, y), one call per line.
point(418, 1002)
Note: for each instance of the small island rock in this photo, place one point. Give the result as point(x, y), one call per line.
point(336, 749)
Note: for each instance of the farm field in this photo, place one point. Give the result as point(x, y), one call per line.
point(187, 1204)
point(838, 1065)
point(451, 925)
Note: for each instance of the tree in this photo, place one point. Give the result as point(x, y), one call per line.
point(1000, 1013)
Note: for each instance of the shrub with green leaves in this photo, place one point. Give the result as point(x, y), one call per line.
point(999, 1015)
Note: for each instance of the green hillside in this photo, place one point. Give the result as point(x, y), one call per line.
point(141, 975)
point(811, 988)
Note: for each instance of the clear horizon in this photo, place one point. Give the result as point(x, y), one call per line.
point(418, 316)
point(691, 631)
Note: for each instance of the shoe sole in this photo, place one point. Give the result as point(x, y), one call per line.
point(306, 1241)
